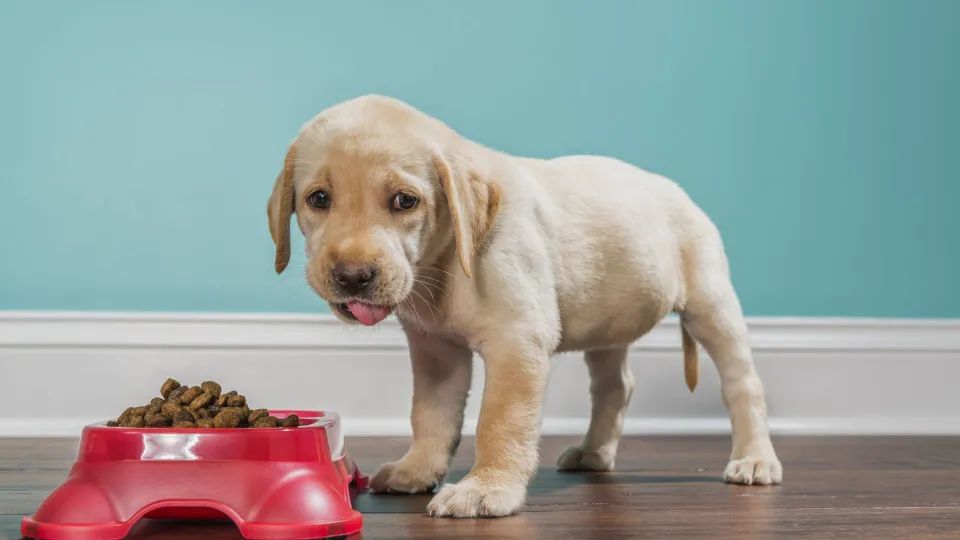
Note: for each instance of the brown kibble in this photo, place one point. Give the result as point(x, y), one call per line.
point(158, 421)
point(134, 422)
point(193, 393)
point(236, 410)
point(175, 395)
point(266, 422)
point(222, 400)
point(212, 387)
point(126, 416)
point(228, 418)
point(205, 406)
point(201, 401)
point(131, 413)
point(171, 408)
point(167, 387)
point(257, 414)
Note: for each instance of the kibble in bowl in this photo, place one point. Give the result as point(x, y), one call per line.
point(199, 407)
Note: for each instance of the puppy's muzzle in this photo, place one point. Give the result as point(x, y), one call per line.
point(354, 280)
point(357, 283)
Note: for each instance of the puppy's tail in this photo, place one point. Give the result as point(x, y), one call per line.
point(691, 363)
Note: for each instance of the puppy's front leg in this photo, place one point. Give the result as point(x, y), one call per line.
point(507, 436)
point(441, 381)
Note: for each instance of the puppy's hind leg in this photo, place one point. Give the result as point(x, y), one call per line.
point(611, 386)
point(714, 318)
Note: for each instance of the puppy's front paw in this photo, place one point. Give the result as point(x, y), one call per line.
point(577, 458)
point(471, 498)
point(409, 475)
point(757, 470)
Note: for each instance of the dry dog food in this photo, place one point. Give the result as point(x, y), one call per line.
point(205, 406)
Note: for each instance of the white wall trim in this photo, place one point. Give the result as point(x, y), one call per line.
point(292, 331)
point(823, 375)
point(400, 427)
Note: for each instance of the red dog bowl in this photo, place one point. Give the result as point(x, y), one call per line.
point(272, 483)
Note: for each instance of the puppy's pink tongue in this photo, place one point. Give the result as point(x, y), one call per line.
point(367, 314)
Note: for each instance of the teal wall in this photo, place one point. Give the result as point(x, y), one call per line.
point(139, 140)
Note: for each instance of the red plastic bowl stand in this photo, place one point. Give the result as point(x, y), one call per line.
point(274, 484)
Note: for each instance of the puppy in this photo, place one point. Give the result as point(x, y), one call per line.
point(515, 259)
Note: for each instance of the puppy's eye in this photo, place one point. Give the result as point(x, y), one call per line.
point(404, 201)
point(319, 199)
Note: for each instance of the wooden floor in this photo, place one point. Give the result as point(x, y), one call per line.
point(665, 487)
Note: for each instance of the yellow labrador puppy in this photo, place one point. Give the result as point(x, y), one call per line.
point(515, 259)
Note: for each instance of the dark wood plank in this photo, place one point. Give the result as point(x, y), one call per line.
point(835, 487)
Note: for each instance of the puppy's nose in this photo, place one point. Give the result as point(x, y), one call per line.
point(353, 279)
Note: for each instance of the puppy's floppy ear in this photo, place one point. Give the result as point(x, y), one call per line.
point(473, 202)
point(280, 208)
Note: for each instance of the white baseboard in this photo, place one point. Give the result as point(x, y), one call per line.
point(400, 427)
point(60, 371)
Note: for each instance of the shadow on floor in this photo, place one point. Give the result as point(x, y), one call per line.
point(548, 481)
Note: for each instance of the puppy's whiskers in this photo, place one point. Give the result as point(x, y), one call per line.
point(429, 305)
point(426, 288)
point(413, 307)
point(435, 269)
point(438, 286)
point(433, 280)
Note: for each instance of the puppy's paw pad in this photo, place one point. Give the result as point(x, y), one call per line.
point(759, 471)
point(576, 458)
point(471, 499)
point(405, 477)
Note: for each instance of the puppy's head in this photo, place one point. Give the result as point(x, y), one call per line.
point(379, 190)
